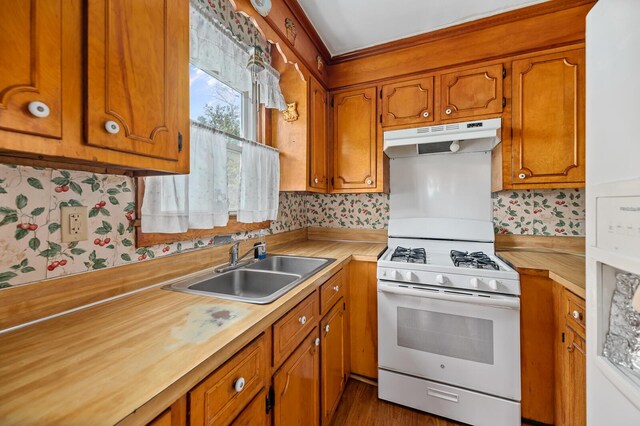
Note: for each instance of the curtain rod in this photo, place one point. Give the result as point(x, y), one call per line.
point(229, 135)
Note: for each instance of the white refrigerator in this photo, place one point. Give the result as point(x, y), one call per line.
point(613, 213)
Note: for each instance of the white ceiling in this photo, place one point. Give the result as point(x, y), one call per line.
point(348, 25)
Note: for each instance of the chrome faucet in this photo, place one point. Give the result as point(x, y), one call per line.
point(234, 260)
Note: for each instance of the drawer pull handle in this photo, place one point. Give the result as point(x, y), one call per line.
point(337, 288)
point(316, 180)
point(425, 114)
point(38, 109)
point(447, 396)
point(239, 384)
point(317, 341)
point(576, 315)
point(302, 320)
point(522, 176)
point(326, 328)
point(448, 111)
point(369, 182)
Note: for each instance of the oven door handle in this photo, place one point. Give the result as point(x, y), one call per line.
point(507, 302)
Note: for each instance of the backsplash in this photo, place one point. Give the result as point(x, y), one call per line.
point(30, 238)
point(30, 200)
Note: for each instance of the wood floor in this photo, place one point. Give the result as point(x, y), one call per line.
point(360, 406)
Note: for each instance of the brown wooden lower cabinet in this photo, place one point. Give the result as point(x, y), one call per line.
point(552, 350)
point(363, 319)
point(333, 362)
point(297, 385)
point(176, 415)
point(255, 414)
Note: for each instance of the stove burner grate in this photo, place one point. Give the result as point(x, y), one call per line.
point(409, 255)
point(474, 260)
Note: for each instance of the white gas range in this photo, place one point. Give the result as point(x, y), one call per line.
point(448, 308)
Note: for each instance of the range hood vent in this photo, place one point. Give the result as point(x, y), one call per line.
point(472, 136)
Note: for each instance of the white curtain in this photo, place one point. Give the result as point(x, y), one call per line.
point(216, 52)
point(174, 204)
point(259, 184)
point(269, 85)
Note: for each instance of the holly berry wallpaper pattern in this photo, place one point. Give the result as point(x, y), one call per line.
point(30, 200)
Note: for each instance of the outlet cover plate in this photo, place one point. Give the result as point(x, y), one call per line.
point(73, 223)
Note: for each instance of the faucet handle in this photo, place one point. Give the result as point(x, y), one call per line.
point(234, 247)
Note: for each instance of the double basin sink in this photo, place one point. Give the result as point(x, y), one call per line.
point(259, 282)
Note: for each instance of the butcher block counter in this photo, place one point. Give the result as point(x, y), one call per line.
point(565, 269)
point(100, 364)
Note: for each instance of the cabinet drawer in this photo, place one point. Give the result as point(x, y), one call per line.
point(575, 312)
point(331, 292)
point(292, 328)
point(255, 414)
point(220, 397)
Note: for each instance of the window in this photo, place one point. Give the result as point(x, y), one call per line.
point(220, 106)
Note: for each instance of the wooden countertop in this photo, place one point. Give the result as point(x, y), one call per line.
point(566, 269)
point(99, 364)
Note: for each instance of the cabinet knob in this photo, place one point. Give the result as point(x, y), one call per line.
point(448, 111)
point(369, 182)
point(326, 328)
point(112, 127)
point(336, 288)
point(570, 348)
point(316, 180)
point(302, 320)
point(38, 109)
point(239, 384)
point(425, 114)
point(576, 314)
point(522, 176)
point(317, 341)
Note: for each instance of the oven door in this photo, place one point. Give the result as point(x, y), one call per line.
point(465, 339)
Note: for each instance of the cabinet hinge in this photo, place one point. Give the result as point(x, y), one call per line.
point(331, 181)
point(179, 141)
point(344, 306)
point(380, 118)
point(332, 102)
point(563, 337)
point(504, 102)
point(380, 94)
point(504, 72)
point(270, 399)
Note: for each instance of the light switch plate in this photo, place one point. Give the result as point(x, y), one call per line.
point(73, 224)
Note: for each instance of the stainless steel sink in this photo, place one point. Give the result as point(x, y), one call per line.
point(289, 264)
point(260, 282)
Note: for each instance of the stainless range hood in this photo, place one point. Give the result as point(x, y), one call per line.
point(471, 136)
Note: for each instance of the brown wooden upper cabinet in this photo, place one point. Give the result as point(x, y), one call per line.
point(408, 102)
point(548, 141)
point(97, 83)
point(31, 70)
point(133, 78)
point(318, 136)
point(471, 93)
point(357, 153)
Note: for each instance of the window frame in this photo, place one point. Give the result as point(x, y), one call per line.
point(260, 132)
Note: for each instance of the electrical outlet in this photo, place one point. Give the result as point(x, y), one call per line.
point(73, 223)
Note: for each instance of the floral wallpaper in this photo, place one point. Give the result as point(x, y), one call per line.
point(540, 212)
point(370, 211)
point(238, 24)
point(30, 240)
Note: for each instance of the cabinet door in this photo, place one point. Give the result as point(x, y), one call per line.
point(471, 93)
point(363, 315)
point(355, 145)
point(297, 385)
point(30, 64)
point(548, 119)
point(407, 102)
point(318, 139)
point(137, 76)
point(333, 372)
point(576, 407)
point(255, 414)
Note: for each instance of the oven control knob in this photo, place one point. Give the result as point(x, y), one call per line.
point(474, 282)
point(440, 279)
point(493, 284)
point(394, 275)
point(410, 276)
